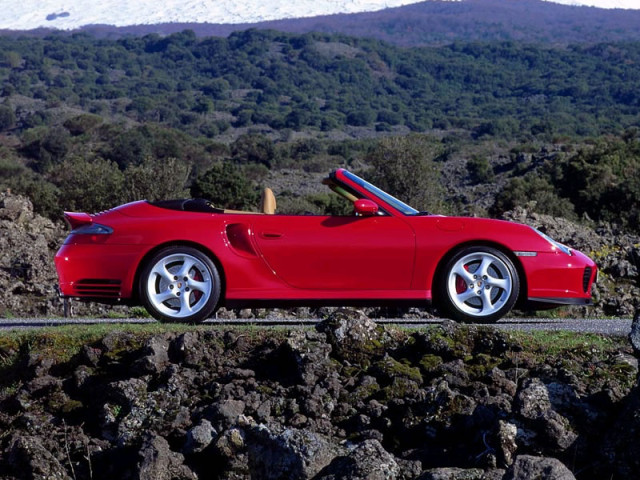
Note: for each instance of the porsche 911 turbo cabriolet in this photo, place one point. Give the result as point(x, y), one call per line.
point(182, 259)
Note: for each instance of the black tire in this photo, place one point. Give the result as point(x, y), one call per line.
point(478, 284)
point(180, 284)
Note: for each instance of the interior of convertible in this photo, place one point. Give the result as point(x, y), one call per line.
point(267, 205)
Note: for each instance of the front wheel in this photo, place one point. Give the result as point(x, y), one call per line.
point(478, 284)
point(180, 284)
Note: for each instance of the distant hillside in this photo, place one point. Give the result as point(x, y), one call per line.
point(278, 81)
point(443, 22)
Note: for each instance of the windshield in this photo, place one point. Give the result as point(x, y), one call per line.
point(384, 196)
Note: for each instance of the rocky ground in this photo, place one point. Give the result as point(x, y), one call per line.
point(28, 243)
point(28, 280)
point(348, 399)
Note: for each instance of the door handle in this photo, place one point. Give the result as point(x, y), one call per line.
point(270, 235)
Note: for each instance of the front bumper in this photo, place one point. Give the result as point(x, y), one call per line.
point(557, 278)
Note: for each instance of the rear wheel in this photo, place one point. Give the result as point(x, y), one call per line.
point(180, 284)
point(478, 284)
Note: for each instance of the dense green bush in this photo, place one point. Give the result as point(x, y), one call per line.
point(156, 180)
point(480, 171)
point(535, 193)
point(227, 187)
point(604, 182)
point(601, 181)
point(7, 117)
point(406, 167)
point(89, 186)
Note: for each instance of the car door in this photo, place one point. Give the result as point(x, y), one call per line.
point(334, 252)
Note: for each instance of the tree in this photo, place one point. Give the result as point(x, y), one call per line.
point(42, 193)
point(156, 180)
point(604, 181)
point(130, 147)
point(46, 146)
point(227, 187)
point(253, 148)
point(88, 185)
point(82, 124)
point(480, 170)
point(7, 117)
point(406, 168)
point(535, 193)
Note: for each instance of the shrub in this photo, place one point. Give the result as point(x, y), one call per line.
point(480, 170)
point(82, 124)
point(535, 193)
point(7, 117)
point(88, 185)
point(156, 180)
point(227, 187)
point(406, 168)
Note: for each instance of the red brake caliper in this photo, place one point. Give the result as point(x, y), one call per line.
point(461, 284)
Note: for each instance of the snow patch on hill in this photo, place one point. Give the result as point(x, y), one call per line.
point(72, 14)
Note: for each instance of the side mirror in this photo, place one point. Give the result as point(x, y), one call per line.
point(365, 207)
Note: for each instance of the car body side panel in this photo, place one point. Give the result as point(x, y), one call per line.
point(345, 253)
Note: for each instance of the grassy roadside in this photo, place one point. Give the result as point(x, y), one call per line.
point(61, 343)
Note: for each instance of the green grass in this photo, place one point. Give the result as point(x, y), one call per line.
point(558, 342)
point(64, 341)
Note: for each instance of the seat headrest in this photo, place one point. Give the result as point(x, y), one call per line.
point(268, 202)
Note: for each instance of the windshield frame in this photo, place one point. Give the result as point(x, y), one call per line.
point(390, 200)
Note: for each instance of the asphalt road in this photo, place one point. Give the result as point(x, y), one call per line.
point(614, 326)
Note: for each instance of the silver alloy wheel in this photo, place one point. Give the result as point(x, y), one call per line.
point(479, 284)
point(179, 285)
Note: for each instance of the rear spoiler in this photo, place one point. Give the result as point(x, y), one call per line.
point(77, 219)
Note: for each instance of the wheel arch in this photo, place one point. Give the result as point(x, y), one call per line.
point(522, 294)
point(179, 243)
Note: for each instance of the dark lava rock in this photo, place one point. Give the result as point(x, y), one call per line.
point(28, 458)
point(621, 447)
point(445, 402)
point(367, 461)
point(200, 437)
point(634, 335)
point(276, 453)
point(527, 467)
point(158, 462)
point(354, 337)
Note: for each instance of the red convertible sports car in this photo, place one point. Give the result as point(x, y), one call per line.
point(184, 258)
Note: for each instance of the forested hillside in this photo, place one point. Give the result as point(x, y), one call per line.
point(327, 82)
point(154, 117)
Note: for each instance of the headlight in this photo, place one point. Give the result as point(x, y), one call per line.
point(558, 245)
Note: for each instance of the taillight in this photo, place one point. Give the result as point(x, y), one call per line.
point(92, 229)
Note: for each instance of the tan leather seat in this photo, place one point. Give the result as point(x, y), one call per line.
point(268, 202)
